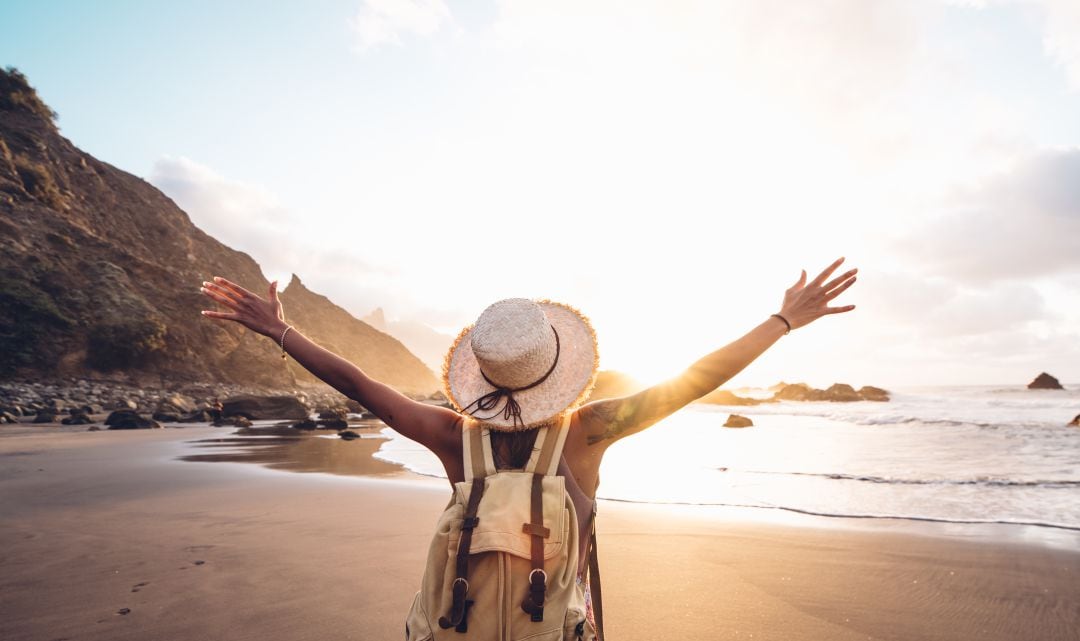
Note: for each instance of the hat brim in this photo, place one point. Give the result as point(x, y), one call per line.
point(569, 384)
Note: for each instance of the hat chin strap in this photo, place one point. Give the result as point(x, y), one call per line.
point(512, 409)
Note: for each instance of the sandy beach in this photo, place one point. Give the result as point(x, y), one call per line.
point(108, 535)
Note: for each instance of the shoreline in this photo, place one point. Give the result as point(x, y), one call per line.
point(95, 525)
point(367, 466)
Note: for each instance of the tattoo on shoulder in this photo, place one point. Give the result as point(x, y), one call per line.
point(618, 415)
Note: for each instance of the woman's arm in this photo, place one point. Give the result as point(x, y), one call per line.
point(608, 420)
point(429, 425)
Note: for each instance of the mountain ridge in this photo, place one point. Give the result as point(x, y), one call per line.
point(101, 272)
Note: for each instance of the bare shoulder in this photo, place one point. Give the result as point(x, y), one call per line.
point(607, 420)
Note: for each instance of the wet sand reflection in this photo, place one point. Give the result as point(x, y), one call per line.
point(281, 447)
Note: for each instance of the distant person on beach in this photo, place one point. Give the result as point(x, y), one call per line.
point(519, 379)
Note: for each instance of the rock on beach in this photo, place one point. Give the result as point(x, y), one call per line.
point(264, 407)
point(129, 420)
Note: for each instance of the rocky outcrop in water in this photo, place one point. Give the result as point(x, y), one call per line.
point(737, 420)
point(1045, 381)
point(836, 393)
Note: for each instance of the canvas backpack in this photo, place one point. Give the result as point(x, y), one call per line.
point(503, 563)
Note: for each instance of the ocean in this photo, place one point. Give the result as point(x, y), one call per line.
point(951, 454)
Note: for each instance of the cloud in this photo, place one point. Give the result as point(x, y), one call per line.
point(382, 22)
point(252, 220)
point(243, 216)
point(1060, 22)
point(939, 309)
point(1023, 223)
point(1061, 36)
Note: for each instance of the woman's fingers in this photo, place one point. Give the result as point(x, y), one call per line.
point(799, 283)
point(840, 289)
point(839, 279)
point(826, 272)
point(240, 291)
point(221, 298)
point(222, 315)
point(839, 310)
point(222, 291)
point(273, 292)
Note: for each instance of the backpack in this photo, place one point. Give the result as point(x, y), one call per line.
point(503, 563)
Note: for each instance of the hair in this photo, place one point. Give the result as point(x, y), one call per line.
point(511, 450)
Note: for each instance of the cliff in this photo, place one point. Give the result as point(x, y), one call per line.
point(100, 275)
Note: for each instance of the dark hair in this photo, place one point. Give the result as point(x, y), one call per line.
point(511, 450)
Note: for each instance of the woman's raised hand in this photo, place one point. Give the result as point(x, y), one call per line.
point(257, 314)
point(806, 302)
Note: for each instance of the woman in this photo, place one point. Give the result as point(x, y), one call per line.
point(527, 365)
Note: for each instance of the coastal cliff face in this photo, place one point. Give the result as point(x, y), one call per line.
point(100, 276)
point(380, 356)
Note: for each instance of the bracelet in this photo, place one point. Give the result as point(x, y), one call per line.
point(775, 316)
point(282, 341)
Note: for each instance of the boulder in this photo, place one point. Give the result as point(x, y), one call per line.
point(241, 421)
point(127, 419)
point(125, 404)
point(736, 420)
point(77, 419)
point(876, 394)
point(353, 406)
point(165, 417)
point(8, 417)
point(306, 424)
point(45, 416)
point(794, 392)
point(348, 435)
point(176, 404)
point(842, 393)
point(94, 428)
point(1045, 381)
point(334, 412)
point(1075, 422)
point(264, 407)
point(333, 423)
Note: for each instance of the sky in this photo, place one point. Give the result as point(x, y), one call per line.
point(667, 167)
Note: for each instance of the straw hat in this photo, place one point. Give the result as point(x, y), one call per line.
point(521, 364)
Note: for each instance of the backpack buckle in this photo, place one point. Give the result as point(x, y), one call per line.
point(534, 602)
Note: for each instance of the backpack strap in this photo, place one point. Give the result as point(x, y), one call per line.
point(594, 579)
point(460, 606)
point(476, 450)
point(544, 462)
point(475, 461)
point(547, 451)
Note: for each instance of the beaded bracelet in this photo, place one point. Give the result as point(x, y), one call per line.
point(282, 341)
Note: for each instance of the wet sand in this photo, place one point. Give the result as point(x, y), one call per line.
point(93, 524)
